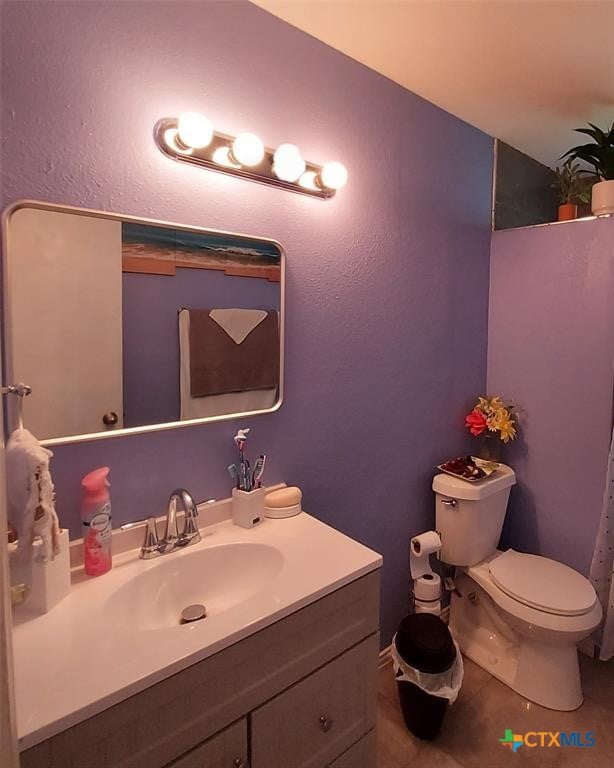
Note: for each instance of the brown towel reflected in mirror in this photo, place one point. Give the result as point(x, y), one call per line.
point(219, 365)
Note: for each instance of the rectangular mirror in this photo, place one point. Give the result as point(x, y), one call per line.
point(121, 324)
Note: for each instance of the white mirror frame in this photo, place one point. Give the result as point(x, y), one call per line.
point(7, 320)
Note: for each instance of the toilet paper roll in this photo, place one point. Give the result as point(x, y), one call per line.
point(433, 607)
point(427, 587)
point(419, 550)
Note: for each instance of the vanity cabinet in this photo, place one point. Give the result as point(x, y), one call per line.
point(300, 693)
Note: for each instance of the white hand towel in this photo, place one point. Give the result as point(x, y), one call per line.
point(238, 323)
point(30, 495)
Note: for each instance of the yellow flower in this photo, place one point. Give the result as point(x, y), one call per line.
point(498, 417)
point(490, 406)
point(504, 424)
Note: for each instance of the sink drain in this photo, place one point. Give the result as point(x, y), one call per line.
point(193, 613)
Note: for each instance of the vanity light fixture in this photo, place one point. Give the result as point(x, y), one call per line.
point(190, 138)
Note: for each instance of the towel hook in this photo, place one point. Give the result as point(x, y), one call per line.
point(21, 390)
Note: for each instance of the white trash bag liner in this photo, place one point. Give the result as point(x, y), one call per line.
point(446, 684)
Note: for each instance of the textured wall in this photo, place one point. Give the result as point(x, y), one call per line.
point(551, 348)
point(387, 284)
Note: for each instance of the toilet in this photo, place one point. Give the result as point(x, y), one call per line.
point(518, 616)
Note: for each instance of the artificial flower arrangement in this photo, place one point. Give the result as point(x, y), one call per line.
point(491, 417)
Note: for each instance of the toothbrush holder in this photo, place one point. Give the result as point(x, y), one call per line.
point(247, 507)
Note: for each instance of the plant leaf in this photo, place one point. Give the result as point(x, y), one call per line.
point(596, 134)
point(597, 129)
point(585, 147)
point(581, 148)
point(599, 154)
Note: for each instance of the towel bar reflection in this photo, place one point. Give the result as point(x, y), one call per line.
point(21, 390)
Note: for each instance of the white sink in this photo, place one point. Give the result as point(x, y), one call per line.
point(220, 577)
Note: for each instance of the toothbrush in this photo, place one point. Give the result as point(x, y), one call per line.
point(248, 484)
point(241, 473)
point(232, 471)
point(258, 471)
point(240, 439)
point(243, 469)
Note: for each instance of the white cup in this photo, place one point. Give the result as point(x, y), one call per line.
point(247, 507)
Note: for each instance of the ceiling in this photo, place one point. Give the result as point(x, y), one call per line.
point(526, 71)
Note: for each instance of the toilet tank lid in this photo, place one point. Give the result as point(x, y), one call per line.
point(457, 488)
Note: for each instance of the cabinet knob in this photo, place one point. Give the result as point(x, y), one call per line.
point(110, 419)
point(326, 723)
point(239, 763)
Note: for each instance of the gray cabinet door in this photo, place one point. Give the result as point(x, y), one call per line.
point(315, 721)
point(227, 749)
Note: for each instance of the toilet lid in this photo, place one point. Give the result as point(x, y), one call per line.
point(542, 583)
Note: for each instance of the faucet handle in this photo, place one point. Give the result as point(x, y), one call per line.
point(151, 542)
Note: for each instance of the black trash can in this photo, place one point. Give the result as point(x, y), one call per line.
point(424, 642)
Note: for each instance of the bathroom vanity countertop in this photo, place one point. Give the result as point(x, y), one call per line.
point(82, 657)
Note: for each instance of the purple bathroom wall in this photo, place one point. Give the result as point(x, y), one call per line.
point(387, 283)
point(151, 339)
point(551, 348)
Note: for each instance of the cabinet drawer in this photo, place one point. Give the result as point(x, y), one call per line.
point(361, 755)
point(316, 720)
point(227, 749)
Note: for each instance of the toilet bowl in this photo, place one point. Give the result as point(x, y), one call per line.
point(519, 616)
point(528, 646)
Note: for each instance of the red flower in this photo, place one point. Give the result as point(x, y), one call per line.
point(476, 422)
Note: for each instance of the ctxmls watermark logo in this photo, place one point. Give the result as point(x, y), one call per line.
point(532, 739)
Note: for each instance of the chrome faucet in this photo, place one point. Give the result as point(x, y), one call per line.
point(174, 537)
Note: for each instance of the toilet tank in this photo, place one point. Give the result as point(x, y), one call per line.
point(469, 516)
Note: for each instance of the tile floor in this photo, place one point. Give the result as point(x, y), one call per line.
point(483, 710)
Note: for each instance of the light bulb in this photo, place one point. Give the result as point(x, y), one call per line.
point(333, 175)
point(194, 130)
point(221, 156)
point(288, 165)
point(309, 180)
point(247, 149)
point(170, 139)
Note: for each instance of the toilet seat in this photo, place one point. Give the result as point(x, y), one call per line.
point(541, 583)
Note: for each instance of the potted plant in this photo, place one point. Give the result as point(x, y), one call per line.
point(571, 188)
point(494, 422)
point(600, 155)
